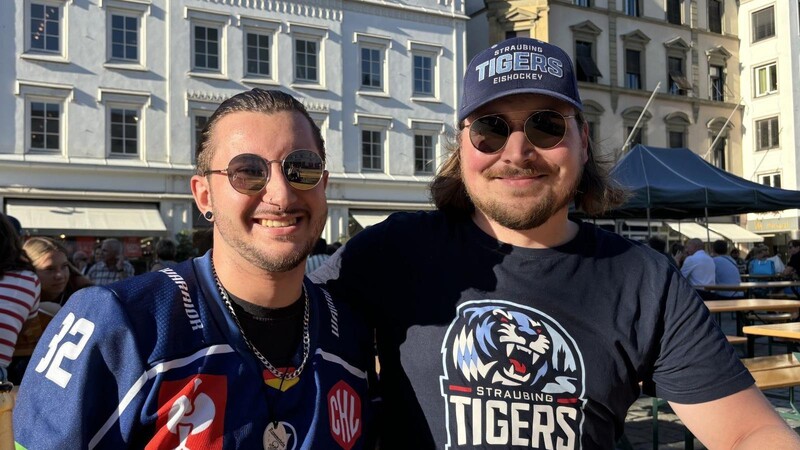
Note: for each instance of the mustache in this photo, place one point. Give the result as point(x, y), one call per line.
point(512, 172)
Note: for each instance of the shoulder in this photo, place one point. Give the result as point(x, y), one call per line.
point(23, 282)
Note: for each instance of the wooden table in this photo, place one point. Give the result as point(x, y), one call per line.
point(748, 286)
point(789, 330)
point(743, 305)
point(752, 304)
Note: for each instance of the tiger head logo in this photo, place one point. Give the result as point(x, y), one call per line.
point(511, 347)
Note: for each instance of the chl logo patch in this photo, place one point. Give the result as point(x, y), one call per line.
point(344, 411)
point(513, 377)
point(191, 413)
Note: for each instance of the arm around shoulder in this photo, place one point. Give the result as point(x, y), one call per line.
point(744, 420)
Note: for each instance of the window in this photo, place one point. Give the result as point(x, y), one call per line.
point(715, 16)
point(257, 54)
point(763, 22)
point(592, 112)
point(677, 139)
point(674, 11)
point(123, 131)
point(584, 3)
point(517, 33)
point(587, 69)
point(630, 116)
point(259, 48)
point(633, 76)
point(44, 32)
point(45, 115)
point(636, 139)
point(207, 42)
point(124, 39)
point(677, 129)
point(371, 68)
point(206, 48)
point(306, 67)
point(766, 79)
point(678, 84)
point(371, 150)
point(45, 126)
point(718, 154)
point(423, 75)
point(716, 82)
point(632, 8)
point(124, 121)
point(199, 121)
point(425, 61)
point(424, 162)
point(767, 133)
point(772, 179)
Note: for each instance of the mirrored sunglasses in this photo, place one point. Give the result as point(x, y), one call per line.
point(249, 173)
point(544, 129)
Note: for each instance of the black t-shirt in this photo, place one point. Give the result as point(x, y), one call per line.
point(794, 262)
point(487, 345)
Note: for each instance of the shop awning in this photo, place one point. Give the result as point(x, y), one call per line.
point(735, 233)
point(45, 217)
point(643, 223)
point(367, 218)
point(694, 230)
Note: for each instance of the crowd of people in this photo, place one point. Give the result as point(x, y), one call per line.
point(722, 267)
point(498, 321)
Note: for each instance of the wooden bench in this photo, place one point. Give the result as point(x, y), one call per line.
point(775, 371)
point(736, 340)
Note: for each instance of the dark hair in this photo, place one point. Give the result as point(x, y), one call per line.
point(596, 193)
point(12, 256)
point(720, 247)
point(320, 247)
point(166, 249)
point(254, 100)
point(658, 244)
point(794, 243)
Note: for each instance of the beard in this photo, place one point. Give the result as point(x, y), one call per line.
point(267, 260)
point(516, 213)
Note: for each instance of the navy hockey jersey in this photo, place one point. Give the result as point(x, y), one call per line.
point(157, 362)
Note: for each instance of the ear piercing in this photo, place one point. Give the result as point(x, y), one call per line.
point(208, 215)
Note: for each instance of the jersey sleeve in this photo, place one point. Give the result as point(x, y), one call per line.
point(79, 388)
point(695, 362)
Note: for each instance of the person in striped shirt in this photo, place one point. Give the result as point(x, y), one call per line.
point(20, 292)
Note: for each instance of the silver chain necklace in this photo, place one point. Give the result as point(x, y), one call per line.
point(306, 335)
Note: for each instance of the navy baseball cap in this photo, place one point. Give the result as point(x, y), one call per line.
point(519, 66)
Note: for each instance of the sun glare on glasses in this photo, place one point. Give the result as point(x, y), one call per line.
point(249, 173)
point(543, 129)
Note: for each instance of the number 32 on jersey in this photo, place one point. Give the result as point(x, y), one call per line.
point(57, 351)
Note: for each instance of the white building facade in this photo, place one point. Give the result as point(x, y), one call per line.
point(770, 52)
point(104, 102)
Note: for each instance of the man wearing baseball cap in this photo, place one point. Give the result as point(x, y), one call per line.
point(501, 323)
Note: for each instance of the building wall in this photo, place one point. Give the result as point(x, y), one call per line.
point(781, 49)
point(171, 94)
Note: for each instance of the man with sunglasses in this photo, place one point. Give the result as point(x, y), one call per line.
point(501, 323)
point(235, 349)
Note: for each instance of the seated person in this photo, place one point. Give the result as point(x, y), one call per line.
point(726, 270)
point(699, 268)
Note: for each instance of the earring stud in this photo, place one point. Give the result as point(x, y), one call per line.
point(208, 215)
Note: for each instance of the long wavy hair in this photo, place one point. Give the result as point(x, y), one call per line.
point(596, 193)
point(255, 100)
point(12, 257)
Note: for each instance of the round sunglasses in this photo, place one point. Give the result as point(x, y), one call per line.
point(249, 173)
point(544, 129)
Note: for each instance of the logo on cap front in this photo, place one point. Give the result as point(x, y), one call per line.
point(519, 62)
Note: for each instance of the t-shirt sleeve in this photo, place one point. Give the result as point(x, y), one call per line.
point(695, 362)
point(78, 377)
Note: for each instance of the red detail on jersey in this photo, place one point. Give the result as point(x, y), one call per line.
point(460, 388)
point(344, 412)
point(566, 401)
point(191, 413)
